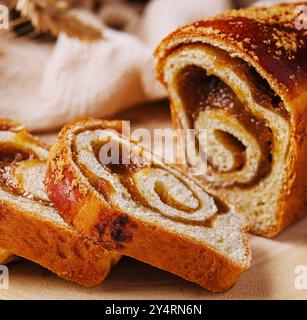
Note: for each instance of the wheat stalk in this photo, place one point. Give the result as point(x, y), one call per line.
point(55, 17)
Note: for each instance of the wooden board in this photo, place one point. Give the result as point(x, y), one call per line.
point(272, 275)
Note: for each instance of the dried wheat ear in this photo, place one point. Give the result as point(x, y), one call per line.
point(32, 18)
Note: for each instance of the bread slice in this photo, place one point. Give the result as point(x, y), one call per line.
point(29, 226)
point(139, 207)
point(242, 77)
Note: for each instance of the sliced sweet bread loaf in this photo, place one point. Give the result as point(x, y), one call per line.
point(29, 225)
point(140, 207)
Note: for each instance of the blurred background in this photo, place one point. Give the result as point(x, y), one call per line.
point(62, 60)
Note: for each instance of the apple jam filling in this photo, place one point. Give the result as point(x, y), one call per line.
point(238, 141)
point(143, 185)
point(22, 174)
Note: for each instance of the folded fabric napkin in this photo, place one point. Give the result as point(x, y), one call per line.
point(48, 84)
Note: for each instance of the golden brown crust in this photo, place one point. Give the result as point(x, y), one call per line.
point(6, 256)
point(268, 40)
point(41, 236)
point(57, 248)
point(129, 235)
point(265, 37)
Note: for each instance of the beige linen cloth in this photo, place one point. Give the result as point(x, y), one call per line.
point(47, 85)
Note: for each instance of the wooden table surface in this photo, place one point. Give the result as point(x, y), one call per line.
point(271, 276)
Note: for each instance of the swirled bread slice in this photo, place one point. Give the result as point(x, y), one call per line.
point(242, 76)
point(139, 207)
point(29, 226)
